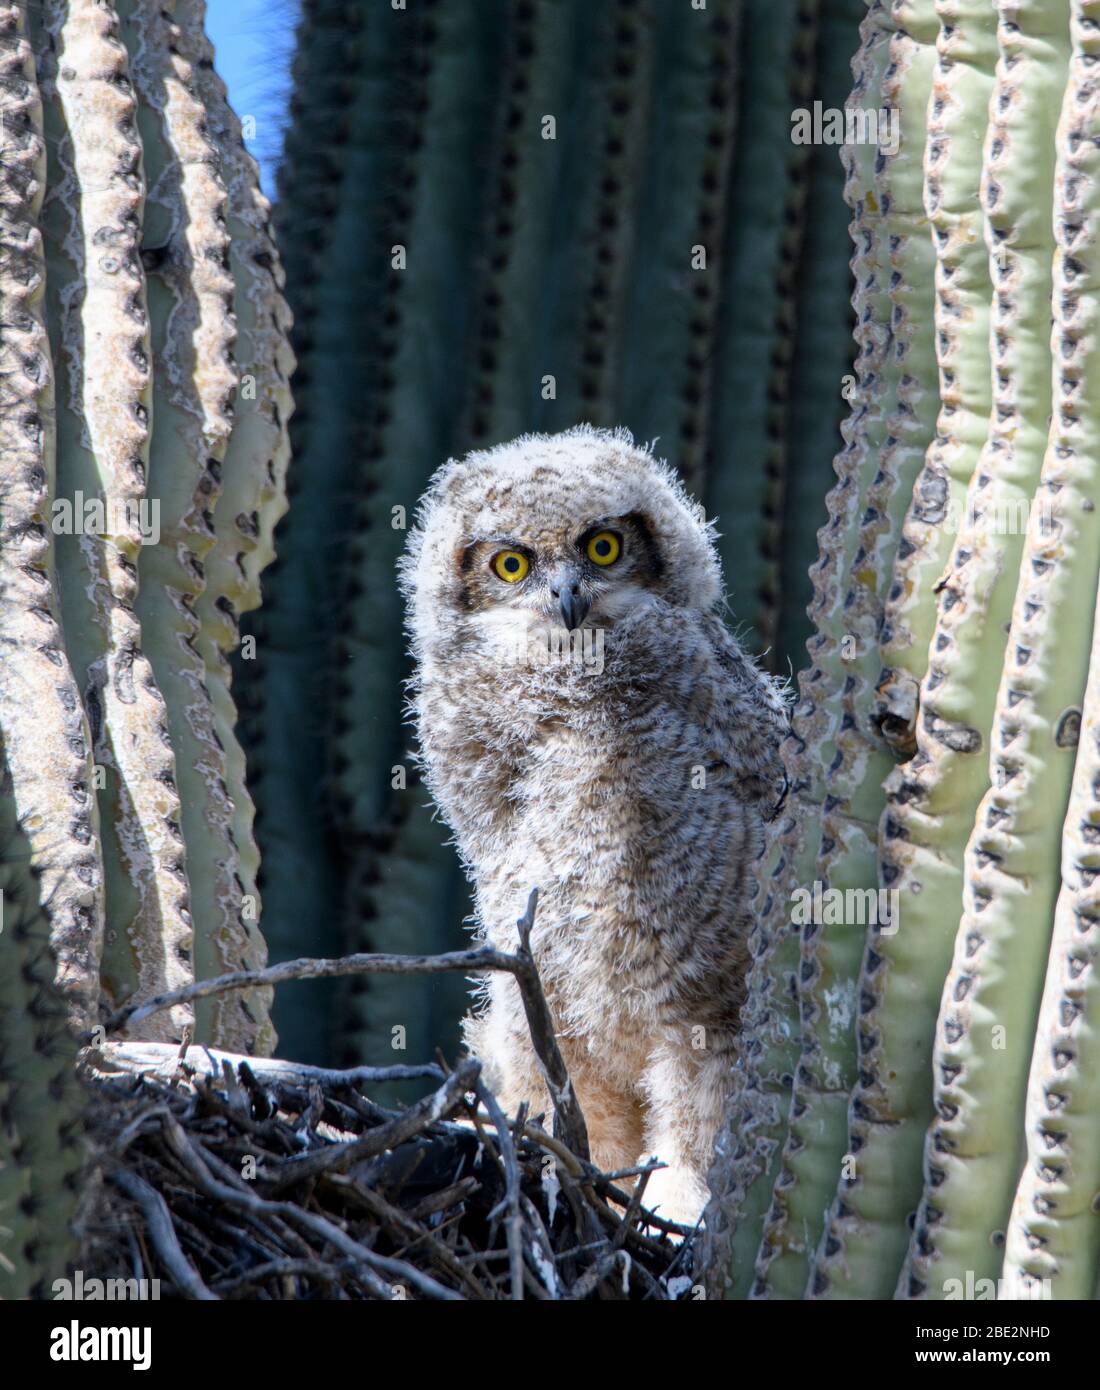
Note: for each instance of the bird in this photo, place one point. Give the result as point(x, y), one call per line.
point(587, 724)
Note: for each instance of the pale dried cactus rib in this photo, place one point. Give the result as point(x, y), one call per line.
point(896, 438)
point(99, 324)
point(933, 798)
point(190, 302)
point(253, 483)
point(43, 732)
point(990, 1000)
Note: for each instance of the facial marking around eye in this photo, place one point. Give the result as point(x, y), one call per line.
point(604, 548)
point(510, 565)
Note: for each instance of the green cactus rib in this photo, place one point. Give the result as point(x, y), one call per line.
point(190, 296)
point(42, 725)
point(933, 798)
point(341, 137)
point(97, 319)
point(831, 950)
point(823, 347)
point(747, 1160)
point(683, 200)
point(40, 1102)
point(957, 118)
point(991, 997)
point(1054, 1230)
point(745, 483)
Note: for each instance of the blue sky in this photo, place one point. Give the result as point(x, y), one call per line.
point(253, 41)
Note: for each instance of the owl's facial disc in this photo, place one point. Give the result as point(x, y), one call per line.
point(596, 572)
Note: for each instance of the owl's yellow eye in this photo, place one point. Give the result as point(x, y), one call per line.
point(604, 548)
point(510, 565)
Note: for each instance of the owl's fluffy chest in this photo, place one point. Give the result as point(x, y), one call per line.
point(630, 860)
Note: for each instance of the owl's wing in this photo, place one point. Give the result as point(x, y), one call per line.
point(747, 719)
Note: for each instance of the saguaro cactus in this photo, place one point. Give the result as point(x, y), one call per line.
point(40, 1104)
point(508, 217)
point(143, 424)
point(916, 1112)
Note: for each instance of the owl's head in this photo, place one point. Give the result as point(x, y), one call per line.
point(575, 529)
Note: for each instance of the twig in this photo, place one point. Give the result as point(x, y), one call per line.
point(310, 968)
point(317, 1225)
point(158, 1223)
point(401, 1221)
point(569, 1122)
point(513, 1225)
point(388, 1136)
point(309, 1269)
point(164, 1060)
point(569, 1125)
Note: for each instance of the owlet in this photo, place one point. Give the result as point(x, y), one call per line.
point(588, 725)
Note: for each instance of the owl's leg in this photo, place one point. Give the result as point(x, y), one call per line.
point(686, 1089)
point(612, 1113)
point(498, 1035)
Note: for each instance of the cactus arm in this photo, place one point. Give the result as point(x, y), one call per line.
point(933, 798)
point(190, 298)
point(45, 764)
point(42, 725)
point(98, 321)
point(403, 1019)
point(897, 436)
point(543, 49)
point(991, 997)
point(342, 136)
point(587, 272)
point(40, 1101)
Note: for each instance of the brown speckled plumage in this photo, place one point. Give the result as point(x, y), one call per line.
point(631, 791)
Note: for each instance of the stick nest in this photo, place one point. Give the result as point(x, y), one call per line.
point(238, 1178)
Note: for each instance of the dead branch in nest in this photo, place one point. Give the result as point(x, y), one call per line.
point(254, 1177)
point(569, 1123)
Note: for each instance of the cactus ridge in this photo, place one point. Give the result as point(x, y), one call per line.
point(125, 208)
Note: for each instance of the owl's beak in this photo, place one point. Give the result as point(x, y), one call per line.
point(574, 610)
point(572, 604)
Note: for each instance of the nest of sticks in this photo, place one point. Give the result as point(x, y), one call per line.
point(231, 1177)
